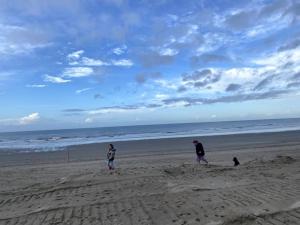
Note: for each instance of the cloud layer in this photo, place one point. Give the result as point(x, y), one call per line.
point(105, 58)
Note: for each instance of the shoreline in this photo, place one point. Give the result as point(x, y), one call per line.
point(270, 141)
point(69, 147)
point(54, 140)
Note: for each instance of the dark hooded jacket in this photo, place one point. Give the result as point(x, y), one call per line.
point(200, 149)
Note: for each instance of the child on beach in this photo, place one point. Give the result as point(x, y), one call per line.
point(111, 156)
point(200, 151)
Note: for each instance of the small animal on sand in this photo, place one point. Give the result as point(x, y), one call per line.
point(236, 161)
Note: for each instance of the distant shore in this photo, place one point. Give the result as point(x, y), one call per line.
point(164, 146)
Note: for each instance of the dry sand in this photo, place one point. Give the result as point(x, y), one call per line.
point(158, 187)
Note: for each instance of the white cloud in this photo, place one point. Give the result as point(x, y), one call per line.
point(122, 62)
point(241, 74)
point(173, 17)
point(120, 50)
point(92, 62)
point(274, 25)
point(54, 79)
point(75, 55)
point(280, 58)
point(36, 85)
point(32, 118)
point(83, 63)
point(108, 110)
point(116, 109)
point(20, 40)
point(77, 72)
point(213, 41)
point(168, 52)
point(82, 90)
point(271, 72)
point(75, 58)
point(74, 63)
point(192, 30)
point(177, 104)
point(26, 120)
point(168, 84)
point(161, 96)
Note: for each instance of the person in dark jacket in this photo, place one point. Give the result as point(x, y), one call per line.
point(111, 157)
point(200, 151)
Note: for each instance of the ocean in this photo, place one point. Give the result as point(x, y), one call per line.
point(50, 140)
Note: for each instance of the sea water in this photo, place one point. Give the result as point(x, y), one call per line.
point(58, 139)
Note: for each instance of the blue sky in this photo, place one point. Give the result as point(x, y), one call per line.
point(75, 63)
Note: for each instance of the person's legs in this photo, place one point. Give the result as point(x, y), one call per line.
point(109, 165)
point(203, 159)
point(112, 164)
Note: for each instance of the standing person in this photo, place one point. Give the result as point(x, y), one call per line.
point(200, 151)
point(111, 157)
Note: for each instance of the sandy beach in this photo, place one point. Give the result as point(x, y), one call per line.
point(144, 112)
point(156, 182)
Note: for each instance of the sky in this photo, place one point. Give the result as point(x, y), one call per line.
point(96, 63)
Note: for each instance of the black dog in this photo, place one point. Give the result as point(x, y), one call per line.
point(236, 161)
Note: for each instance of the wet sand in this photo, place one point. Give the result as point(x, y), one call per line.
point(289, 140)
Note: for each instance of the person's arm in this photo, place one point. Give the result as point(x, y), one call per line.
point(201, 146)
point(113, 153)
point(198, 149)
point(202, 149)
